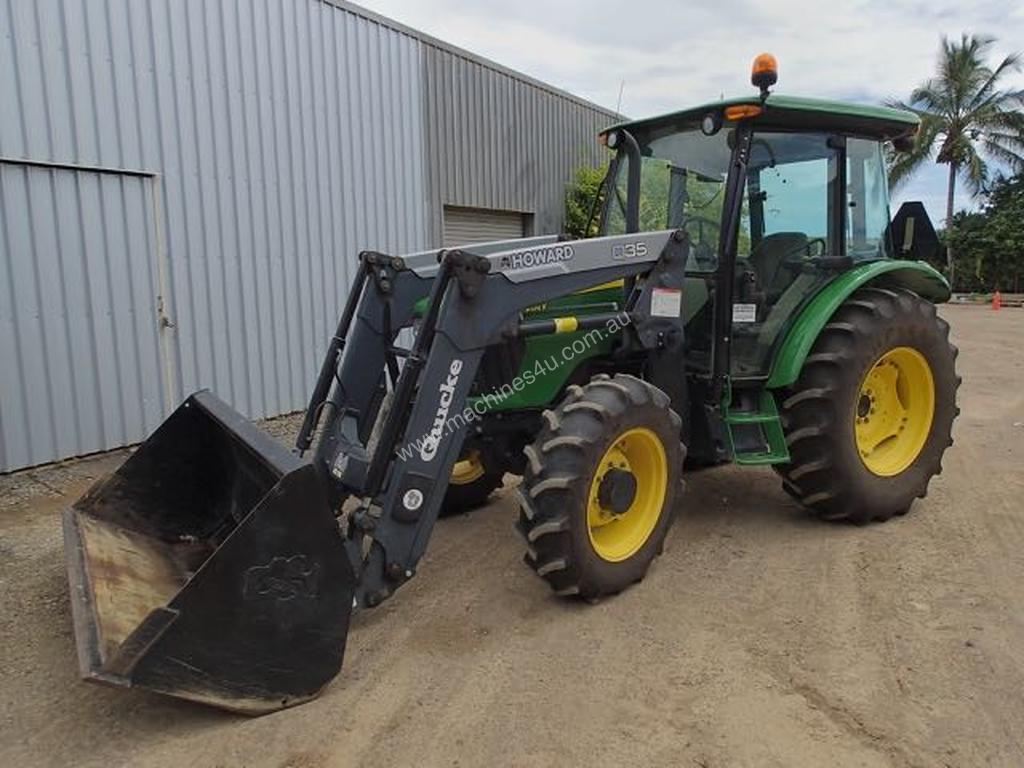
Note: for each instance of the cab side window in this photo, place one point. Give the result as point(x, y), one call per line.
point(867, 200)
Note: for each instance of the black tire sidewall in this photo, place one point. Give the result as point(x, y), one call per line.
point(464, 498)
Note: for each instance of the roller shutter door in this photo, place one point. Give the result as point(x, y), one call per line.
point(476, 225)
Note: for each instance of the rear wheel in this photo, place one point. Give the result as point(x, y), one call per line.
point(871, 415)
point(600, 482)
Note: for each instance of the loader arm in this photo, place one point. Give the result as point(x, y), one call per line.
point(474, 301)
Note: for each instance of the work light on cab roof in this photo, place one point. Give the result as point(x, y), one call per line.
point(764, 73)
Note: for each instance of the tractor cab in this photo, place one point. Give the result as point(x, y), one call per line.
point(810, 201)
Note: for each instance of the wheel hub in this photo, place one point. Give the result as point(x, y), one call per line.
point(617, 491)
point(467, 469)
point(626, 494)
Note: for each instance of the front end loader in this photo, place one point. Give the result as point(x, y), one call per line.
point(749, 299)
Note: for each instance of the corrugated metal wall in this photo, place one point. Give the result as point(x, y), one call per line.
point(266, 142)
point(498, 141)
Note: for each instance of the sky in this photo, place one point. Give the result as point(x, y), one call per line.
point(669, 54)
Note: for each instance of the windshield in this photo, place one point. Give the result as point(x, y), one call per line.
point(682, 185)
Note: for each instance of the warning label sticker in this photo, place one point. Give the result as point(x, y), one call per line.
point(666, 302)
point(744, 313)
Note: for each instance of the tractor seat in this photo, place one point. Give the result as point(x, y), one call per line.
point(769, 258)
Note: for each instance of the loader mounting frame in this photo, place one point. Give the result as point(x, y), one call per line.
point(474, 301)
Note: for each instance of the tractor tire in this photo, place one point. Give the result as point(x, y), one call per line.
point(474, 478)
point(599, 487)
point(872, 413)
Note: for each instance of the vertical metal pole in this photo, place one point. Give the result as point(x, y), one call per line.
point(632, 200)
point(731, 211)
point(632, 182)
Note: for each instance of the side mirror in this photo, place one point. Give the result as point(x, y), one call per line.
point(912, 234)
point(904, 143)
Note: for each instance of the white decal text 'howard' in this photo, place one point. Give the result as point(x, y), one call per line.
point(537, 257)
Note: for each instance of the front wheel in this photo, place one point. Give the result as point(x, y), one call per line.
point(474, 478)
point(872, 413)
point(600, 482)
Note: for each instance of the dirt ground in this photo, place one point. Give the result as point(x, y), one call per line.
point(761, 637)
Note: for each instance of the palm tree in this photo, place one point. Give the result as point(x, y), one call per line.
point(967, 120)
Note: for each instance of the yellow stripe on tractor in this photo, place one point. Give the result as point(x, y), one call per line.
point(566, 324)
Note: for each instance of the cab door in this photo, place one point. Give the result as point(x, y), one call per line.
point(790, 239)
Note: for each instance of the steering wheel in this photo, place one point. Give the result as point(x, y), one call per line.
point(704, 238)
point(701, 223)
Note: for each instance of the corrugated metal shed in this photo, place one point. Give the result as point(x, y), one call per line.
point(498, 142)
point(219, 165)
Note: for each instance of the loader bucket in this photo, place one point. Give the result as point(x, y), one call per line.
point(210, 567)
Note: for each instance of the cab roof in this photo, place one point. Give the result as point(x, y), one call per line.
point(796, 113)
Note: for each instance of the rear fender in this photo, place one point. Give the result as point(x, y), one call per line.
point(917, 276)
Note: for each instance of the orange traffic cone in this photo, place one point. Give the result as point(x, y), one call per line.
point(997, 300)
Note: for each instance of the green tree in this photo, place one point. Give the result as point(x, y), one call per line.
point(967, 120)
point(989, 244)
point(579, 199)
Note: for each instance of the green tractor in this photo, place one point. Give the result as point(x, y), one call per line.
point(748, 299)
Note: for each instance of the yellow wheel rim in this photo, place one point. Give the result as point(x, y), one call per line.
point(894, 410)
point(618, 537)
point(467, 470)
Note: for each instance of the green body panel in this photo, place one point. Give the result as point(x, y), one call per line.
point(797, 113)
point(544, 370)
point(916, 276)
point(550, 372)
point(599, 299)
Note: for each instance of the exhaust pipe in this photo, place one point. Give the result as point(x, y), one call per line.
point(210, 567)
